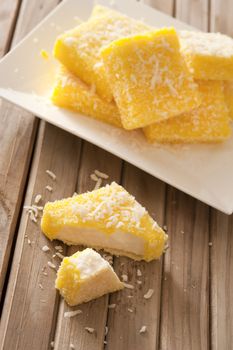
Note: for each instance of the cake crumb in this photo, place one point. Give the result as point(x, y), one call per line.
point(44, 54)
point(72, 346)
point(139, 273)
point(59, 247)
point(111, 306)
point(139, 282)
point(149, 293)
point(41, 287)
point(106, 331)
point(210, 244)
point(52, 344)
point(130, 310)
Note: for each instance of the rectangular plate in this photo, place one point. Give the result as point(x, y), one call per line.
point(203, 171)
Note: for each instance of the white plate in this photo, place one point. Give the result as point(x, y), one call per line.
point(203, 171)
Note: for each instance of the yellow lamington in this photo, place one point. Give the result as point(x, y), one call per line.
point(84, 276)
point(79, 48)
point(228, 91)
point(70, 92)
point(207, 123)
point(149, 78)
point(208, 55)
point(108, 218)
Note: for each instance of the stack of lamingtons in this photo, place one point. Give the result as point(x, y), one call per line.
point(175, 86)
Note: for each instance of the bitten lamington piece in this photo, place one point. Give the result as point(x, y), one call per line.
point(208, 55)
point(108, 218)
point(149, 78)
point(72, 93)
point(84, 276)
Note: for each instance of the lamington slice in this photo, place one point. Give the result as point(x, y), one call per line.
point(208, 55)
point(207, 123)
point(72, 93)
point(228, 91)
point(85, 276)
point(108, 218)
point(79, 49)
point(149, 78)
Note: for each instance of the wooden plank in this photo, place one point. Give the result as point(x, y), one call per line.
point(72, 331)
point(17, 140)
point(124, 325)
point(30, 304)
point(193, 12)
point(8, 14)
point(131, 313)
point(221, 16)
point(161, 5)
point(221, 257)
point(184, 321)
point(185, 292)
point(221, 280)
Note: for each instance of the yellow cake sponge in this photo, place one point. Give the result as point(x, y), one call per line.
point(79, 49)
point(207, 123)
point(72, 93)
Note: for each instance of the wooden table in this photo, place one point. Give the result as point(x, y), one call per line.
point(192, 305)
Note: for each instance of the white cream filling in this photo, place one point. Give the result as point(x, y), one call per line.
point(118, 240)
point(89, 263)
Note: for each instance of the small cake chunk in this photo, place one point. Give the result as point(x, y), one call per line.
point(208, 55)
point(108, 218)
point(79, 48)
point(84, 276)
point(228, 91)
point(72, 93)
point(149, 78)
point(208, 123)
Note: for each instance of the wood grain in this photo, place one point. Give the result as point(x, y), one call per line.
point(131, 313)
point(30, 304)
point(8, 16)
point(17, 135)
point(221, 257)
point(221, 280)
point(185, 292)
point(221, 16)
point(72, 331)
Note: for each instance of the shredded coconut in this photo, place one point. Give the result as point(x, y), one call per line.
point(143, 329)
point(38, 198)
point(51, 174)
point(89, 329)
point(98, 184)
point(69, 314)
point(45, 248)
point(149, 294)
point(49, 188)
point(101, 175)
point(129, 286)
point(50, 264)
